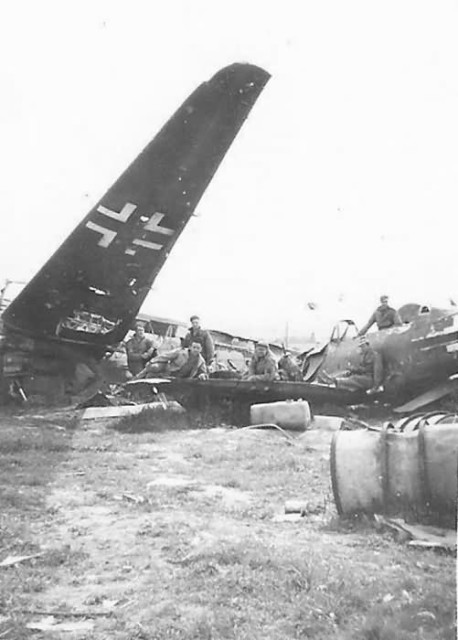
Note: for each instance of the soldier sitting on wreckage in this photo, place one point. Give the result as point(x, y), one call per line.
point(367, 375)
point(262, 365)
point(139, 349)
point(179, 363)
point(288, 368)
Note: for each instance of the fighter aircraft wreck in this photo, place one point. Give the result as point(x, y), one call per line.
point(82, 302)
point(418, 358)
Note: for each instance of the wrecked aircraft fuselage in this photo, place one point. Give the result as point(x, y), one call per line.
point(418, 357)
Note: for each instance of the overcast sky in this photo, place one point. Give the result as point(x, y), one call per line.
point(341, 186)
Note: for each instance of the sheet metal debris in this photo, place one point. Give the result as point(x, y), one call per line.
point(10, 561)
point(93, 413)
point(424, 536)
point(51, 624)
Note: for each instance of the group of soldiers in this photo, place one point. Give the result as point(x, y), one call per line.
point(195, 357)
point(191, 360)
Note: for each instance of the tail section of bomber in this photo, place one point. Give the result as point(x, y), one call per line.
point(91, 289)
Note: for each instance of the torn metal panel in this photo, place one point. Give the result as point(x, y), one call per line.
point(93, 413)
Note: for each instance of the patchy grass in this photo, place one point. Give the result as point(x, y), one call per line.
point(159, 420)
point(152, 420)
point(175, 527)
point(31, 450)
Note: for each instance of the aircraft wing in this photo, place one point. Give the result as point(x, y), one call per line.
point(92, 288)
point(260, 391)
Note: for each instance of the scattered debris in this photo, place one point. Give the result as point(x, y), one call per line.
point(421, 535)
point(268, 425)
point(50, 624)
point(10, 561)
point(388, 598)
point(430, 396)
point(303, 508)
point(327, 423)
point(92, 413)
point(287, 517)
point(414, 422)
point(296, 506)
point(65, 614)
point(130, 497)
point(426, 614)
point(100, 399)
point(148, 381)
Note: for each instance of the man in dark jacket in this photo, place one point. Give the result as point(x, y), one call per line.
point(262, 365)
point(385, 317)
point(203, 337)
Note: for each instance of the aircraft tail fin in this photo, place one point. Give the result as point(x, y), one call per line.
point(91, 289)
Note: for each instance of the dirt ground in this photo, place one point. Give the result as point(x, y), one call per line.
point(148, 531)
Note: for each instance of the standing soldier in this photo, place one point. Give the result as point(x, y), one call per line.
point(203, 337)
point(139, 349)
point(385, 317)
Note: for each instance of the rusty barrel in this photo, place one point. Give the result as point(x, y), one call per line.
point(412, 473)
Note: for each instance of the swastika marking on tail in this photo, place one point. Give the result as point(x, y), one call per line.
point(122, 216)
point(107, 234)
point(154, 222)
point(148, 245)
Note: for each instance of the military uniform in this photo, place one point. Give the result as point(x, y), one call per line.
point(384, 317)
point(288, 369)
point(203, 337)
point(178, 363)
point(367, 374)
point(139, 351)
point(262, 368)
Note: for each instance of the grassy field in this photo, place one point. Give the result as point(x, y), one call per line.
point(151, 531)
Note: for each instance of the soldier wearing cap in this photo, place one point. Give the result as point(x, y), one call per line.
point(384, 316)
point(179, 363)
point(262, 365)
point(203, 337)
point(366, 375)
point(288, 368)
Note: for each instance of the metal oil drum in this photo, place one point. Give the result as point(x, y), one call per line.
point(390, 472)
